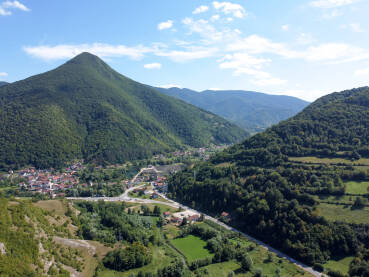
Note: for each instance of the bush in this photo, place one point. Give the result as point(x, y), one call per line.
point(318, 267)
point(335, 273)
point(134, 256)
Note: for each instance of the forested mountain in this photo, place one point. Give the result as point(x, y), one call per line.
point(3, 84)
point(250, 110)
point(85, 109)
point(272, 196)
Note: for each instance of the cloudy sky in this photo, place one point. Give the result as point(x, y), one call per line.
point(300, 48)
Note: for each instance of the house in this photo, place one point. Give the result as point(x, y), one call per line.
point(176, 220)
point(193, 218)
point(167, 214)
point(224, 214)
point(154, 195)
point(139, 190)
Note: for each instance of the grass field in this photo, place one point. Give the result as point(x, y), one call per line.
point(340, 265)
point(258, 256)
point(357, 187)
point(316, 160)
point(170, 231)
point(55, 206)
point(162, 256)
point(191, 247)
point(343, 213)
point(163, 207)
point(146, 196)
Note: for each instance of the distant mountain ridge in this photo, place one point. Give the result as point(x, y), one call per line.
point(3, 84)
point(253, 111)
point(85, 109)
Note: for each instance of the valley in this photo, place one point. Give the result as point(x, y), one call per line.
point(176, 244)
point(184, 138)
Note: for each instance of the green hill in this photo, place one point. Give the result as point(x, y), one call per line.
point(85, 109)
point(272, 184)
point(253, 111)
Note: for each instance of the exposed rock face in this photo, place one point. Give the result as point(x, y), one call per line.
point(2, 248)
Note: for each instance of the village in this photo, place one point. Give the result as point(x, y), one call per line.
point(49, 181)
point(59, 183)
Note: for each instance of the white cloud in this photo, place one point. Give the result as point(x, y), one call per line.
point(4, 12)
point(361, 72)
point(240, 61)
point(355, 27)
point(335, 52)
point(304, 39)
point(245, 64)
point(67, 51)
point(152, 66)
point(255, 44)
point(326, 52)
point(215, 17)
point(332, 14)
point(204, 28)
point(200, 9)
point(230, 8)
point(3, 75)
point(189, 54)
point(16, 5)
point(165, 25)
point(285, 27)
point(332, 3)
point(237, 31)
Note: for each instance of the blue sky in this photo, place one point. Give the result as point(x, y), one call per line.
point(300, 48)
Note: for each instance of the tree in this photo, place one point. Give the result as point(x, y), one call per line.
point(157, 210)
point(359, 203)
point(246, 262)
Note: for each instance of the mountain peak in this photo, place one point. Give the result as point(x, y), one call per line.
point(86, 58)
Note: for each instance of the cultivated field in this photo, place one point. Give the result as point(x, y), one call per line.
point(344, 213)
point(357, 187)
point(193, 248)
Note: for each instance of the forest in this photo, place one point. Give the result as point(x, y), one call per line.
point(85, 109)
point(274, 198)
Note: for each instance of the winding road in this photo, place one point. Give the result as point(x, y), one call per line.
point(125, 197)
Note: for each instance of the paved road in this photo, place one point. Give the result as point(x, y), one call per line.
point(171, 203)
